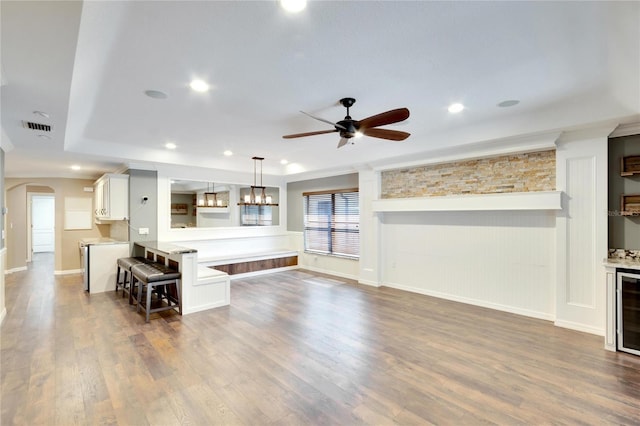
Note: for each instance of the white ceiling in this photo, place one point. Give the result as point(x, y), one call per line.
point(88, 64)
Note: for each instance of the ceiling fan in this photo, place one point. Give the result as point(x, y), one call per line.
point(349, 128)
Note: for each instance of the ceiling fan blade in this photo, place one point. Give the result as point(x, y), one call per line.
point(384, 118)
point(393, 135)
point(319, 132)
point(343, 142)
point(324, 121)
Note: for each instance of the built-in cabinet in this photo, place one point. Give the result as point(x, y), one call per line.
point(111, 193)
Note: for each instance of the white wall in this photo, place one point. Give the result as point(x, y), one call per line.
point(338, 266)
point(539, 263)
point(503, 259)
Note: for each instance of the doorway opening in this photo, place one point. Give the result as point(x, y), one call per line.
point(40, 224)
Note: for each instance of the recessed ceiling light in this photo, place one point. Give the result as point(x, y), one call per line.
point(41, 114)
point(156, 94)
point(283, 161)
point(228, 153)
point(455, 108)
point(293, 6)
point(508, 103)
point(199, 85)
point(170, 145)
point(75, 167)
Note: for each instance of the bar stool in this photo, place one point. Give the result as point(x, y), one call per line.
point(125, 264)
point(156, 279)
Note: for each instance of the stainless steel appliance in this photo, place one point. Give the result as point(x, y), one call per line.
point(628, 307)
point(84, 262)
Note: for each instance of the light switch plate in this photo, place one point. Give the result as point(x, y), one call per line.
point(143, 231)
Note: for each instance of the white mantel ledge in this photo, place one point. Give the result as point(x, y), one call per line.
point(542, 200)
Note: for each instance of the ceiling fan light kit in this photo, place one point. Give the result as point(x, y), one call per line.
point(349, 128)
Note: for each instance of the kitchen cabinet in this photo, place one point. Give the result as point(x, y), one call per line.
point(111, 194)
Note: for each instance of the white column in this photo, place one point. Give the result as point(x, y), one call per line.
point(581, 230)
point(369, 184)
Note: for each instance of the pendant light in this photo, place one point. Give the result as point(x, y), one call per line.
point(211, 197)
point(257, 195)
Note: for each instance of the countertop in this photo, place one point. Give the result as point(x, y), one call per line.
point(99, 241)
point(622, 263)
point(167, 248)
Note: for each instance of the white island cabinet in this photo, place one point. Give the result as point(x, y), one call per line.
point(99, 259)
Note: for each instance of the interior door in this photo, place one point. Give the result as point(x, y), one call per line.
point(42, 223)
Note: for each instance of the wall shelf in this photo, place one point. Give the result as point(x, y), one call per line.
point(202, 210)
point(543, 200)
point(630, 165)
point(630, 204)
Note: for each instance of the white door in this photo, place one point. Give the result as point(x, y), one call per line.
point(42, 223)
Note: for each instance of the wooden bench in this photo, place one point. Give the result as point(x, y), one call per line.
point(244, 264)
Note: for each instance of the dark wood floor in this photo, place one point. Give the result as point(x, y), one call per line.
point(298, 348)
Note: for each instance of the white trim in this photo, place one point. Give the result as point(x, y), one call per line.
point(369, 283)
point(68, 272)
point(626, 130)
point(491, 148)
point(232, 258)
point(5, 142)
point(3, 314)
point(579, 327)
point(475, 302)
point(18, 269)
point(543, 200)
point(328, 272)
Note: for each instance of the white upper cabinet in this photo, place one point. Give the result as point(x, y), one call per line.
point(112, 197)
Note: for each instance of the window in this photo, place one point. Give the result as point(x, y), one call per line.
point(332, 222)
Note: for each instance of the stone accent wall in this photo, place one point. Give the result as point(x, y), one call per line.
point(535, 171)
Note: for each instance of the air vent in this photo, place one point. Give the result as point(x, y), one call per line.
point(36, 126)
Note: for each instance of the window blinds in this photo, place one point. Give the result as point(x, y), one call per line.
point(332, 222)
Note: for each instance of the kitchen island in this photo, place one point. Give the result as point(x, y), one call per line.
point(98, 257)
point(201, 288)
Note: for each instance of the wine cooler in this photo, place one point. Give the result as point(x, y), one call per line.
point(628, 307)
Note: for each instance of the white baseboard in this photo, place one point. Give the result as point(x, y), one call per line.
point(369, 283)
point(3, 314)
point(12, 270)
point(475, 302)
point(579, 327)
point(334, 273)
point(68, 272)
point(201, 308)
